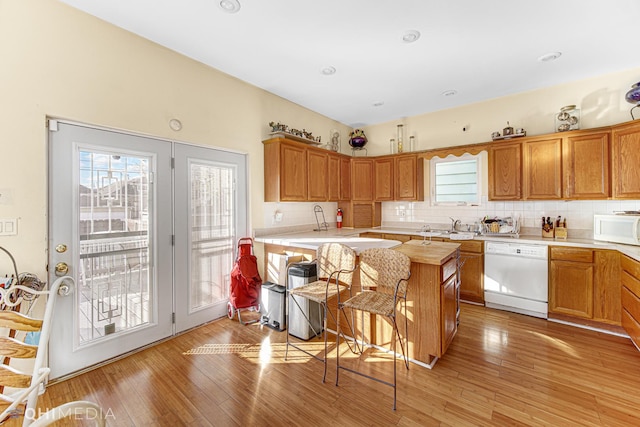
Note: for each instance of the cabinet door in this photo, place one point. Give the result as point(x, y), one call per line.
point(631, 298)
point(317, 173)
point(362, 180)
point(585, 162)
point(449, 306)
point(625, 160)
point(293, 173)
point(384, 179)
point(606, 287)
point(543, 169)
point(334, 178)
point(505, 172)
point(409, 178)
point(345, 178)
point(571, 288)
point(472, 277)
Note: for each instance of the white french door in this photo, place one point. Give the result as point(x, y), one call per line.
point(210, 213)
point(113, 221)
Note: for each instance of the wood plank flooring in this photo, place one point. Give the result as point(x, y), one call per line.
point(502, 369)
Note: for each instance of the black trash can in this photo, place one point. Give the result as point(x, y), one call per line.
point(300, 274)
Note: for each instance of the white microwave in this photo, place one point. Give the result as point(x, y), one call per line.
point(617, 228)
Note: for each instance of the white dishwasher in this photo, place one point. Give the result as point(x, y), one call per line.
point(516, 277)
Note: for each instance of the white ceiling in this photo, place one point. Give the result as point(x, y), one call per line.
point(480, 48)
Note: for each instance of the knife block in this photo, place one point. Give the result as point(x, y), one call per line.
point(561, 233)
point(547, 234)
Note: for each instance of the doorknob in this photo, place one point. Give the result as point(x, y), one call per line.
point(62, 268)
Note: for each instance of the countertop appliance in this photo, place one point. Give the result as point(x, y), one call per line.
point(515, 277)
point(621, 228)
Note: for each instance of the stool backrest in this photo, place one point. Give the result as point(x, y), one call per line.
point(383, 269)
point(333, 257)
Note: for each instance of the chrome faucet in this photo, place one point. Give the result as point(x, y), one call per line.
point(455, 224)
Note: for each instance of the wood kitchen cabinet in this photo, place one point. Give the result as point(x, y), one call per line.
point(409, 177)
point(399, 177)
point(630, 279)
point(285, 170)
point(472, 271)
point(317, 175)
point(571, 281)
point(585, 165)
point(383, 172)
point(345, 178)
point(584, 284)
point(298, 172)
point(362, 180)
point(570, 165)
point(334, 177)
point(542, 170)
point(505, 171)
point(625, 158)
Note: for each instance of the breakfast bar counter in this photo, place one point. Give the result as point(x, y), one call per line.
point(432, 295)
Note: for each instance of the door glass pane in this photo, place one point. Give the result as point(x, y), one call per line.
point(114, 269)
point(212, 233)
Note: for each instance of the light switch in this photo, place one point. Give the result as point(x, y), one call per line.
point(8, 227)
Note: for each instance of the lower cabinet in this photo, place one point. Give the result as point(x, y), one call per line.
point(584, 284)
point(630, 278)
point(472, 271)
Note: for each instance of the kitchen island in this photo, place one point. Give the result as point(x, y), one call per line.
point(432, 295)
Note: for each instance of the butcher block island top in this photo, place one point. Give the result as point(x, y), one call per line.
point(433, 253)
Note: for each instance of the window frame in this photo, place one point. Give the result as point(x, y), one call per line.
point(450, 159)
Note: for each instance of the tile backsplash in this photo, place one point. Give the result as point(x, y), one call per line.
point(579, 214)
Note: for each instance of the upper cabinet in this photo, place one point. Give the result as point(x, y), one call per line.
point(317, 175)
point(297, 172)
point(505, 171)
point(585, 164)
point(625, 160)
point(384, 178)
point(334, 177)
point(542, 175)
point(362, 188)
point(345, 178)
point(285, 171)
point(399, 177)
point(571, 165)
point(409, 177)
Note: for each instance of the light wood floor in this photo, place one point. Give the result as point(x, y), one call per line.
point(501, 369)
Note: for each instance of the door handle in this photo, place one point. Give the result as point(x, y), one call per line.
point(62, 268)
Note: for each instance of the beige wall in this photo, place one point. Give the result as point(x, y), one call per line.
point(56, 61)
point(601, 101)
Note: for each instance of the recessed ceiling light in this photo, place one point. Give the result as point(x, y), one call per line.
point(410, 36)
point(328, 71)
point(450, 92)
point(548, 57)
point(378, 103)
point(230, 6)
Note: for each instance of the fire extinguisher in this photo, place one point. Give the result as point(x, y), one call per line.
point(339, 219)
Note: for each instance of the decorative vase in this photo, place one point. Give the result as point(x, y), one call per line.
point(633, 96)
point(358, 141)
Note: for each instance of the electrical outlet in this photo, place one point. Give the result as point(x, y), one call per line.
point(401, 212)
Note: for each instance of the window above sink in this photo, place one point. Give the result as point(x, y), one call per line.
point(456, 181)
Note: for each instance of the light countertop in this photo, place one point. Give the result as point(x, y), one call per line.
point(313, 239)
point(349, 236)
